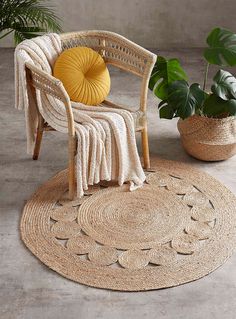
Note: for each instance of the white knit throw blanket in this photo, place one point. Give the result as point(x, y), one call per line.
point(106, 136)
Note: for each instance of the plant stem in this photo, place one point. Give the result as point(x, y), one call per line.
point(5, 34)
point(205, 77)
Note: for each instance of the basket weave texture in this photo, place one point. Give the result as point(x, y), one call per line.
point(208, 139)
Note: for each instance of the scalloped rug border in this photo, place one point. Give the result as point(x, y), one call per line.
point(34, 233)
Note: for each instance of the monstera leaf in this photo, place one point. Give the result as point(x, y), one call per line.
point(224, 85)
point(215, 106)
point(182, 99)
point(222, 47)
point(163, 74)
point(166, 111)
point(231, 107)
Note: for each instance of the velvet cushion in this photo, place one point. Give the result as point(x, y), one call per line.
point(84, 75)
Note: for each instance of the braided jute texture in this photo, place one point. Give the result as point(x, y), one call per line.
point(208, 139)
point(179, 227)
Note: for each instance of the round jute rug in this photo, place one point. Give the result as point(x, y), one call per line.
point(179, 227)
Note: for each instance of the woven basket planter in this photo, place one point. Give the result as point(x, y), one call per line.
point(208, 139)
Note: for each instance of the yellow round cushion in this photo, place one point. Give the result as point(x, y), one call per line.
point(84, 75)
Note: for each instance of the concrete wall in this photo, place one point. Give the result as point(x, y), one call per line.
point(151, 23)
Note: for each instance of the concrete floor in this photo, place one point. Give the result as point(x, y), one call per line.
point(28, 289)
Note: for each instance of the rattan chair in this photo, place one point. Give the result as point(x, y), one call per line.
point(117, 51)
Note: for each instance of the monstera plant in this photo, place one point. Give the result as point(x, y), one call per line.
point(202, 112)
point(26, 19)
point(179, 99)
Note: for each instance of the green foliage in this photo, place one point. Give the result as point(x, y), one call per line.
point(27, 19)
point(223, 99)
point(214, 106)
point(183, 100)
point(166, 111)
point(163, 74)
point(224, 85)
point(222, 47)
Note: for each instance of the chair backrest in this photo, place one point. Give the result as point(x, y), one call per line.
point(114, 48)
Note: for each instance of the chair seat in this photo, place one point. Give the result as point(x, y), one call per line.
point(139, 119)
point(138, 116)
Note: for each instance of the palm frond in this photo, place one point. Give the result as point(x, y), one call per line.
point(28, 18)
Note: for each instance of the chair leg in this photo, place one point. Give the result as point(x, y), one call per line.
point(71, 176)
point(145, 147)
point(39, 136)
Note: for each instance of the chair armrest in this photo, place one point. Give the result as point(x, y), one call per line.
point(47, 83)
point(145, 83)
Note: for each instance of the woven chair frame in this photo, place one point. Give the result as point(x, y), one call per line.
point(115, 50)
